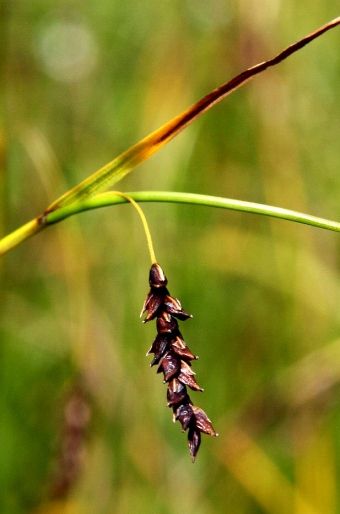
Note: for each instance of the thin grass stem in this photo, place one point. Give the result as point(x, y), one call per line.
point(145, 223)
point(107, 199)
point(116, 198)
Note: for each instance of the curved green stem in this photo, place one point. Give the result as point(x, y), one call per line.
point(106, 199)
point(111, 198)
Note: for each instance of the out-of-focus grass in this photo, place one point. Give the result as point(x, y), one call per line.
point(81, 83)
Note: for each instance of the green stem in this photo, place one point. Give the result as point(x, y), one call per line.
point(106, 199)
point(111, 198)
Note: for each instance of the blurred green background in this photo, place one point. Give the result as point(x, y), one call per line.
point(83, 420)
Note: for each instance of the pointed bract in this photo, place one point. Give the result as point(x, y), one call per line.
point(186, 376)
point(190, 381)
point(194, 442)
point(202, 422)
point(181, 349)
point(152, 303)
point(174, 307)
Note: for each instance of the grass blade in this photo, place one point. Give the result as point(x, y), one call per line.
point(115, 170)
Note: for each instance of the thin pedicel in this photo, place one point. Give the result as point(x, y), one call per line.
point(174, 358)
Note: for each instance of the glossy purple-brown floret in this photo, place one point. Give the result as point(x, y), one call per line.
point(157, 276)
point(174, 358)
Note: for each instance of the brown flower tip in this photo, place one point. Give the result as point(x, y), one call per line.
point(194, 442)
point(186, 376)
point(157, 276)
point(174, 359)
point(202, 422)
point(181, 349)
point(173, 307)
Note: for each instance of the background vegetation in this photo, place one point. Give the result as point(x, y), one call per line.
point(83, 420)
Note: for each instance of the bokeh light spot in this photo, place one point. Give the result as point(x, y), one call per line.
point(67, 51)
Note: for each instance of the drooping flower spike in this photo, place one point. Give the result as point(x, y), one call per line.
point(174, 358)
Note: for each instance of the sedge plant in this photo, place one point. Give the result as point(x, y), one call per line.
point(171, 354)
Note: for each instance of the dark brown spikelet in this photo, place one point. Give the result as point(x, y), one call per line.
point(174, 358)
